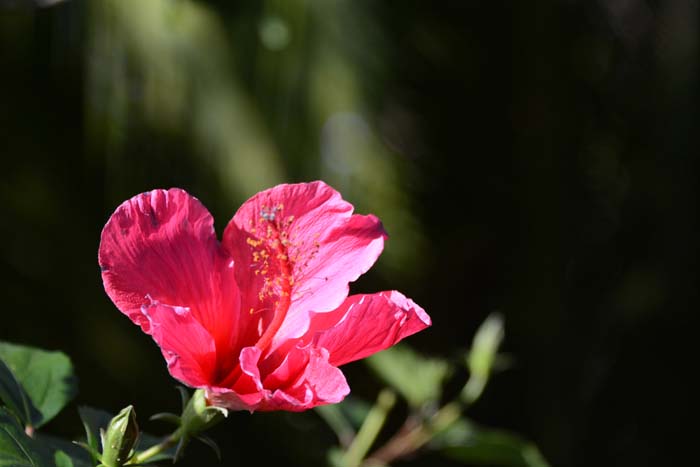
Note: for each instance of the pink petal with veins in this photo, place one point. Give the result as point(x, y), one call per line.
point(366, 324)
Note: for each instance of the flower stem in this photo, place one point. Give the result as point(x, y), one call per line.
point(370, 429)
point(412, 437)
point(144, 456)
point(335, 419)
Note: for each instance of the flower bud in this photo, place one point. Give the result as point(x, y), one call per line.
point(120, 438)
point(198, 416)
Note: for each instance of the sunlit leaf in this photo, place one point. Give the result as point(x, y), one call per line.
point(482, 356)
point(470, 443)
point(45, 377)
point(16, 448)
point(485, 346)
point(418, 379)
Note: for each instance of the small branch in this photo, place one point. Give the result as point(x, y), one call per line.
point(369, 429)
point(412, 437)
point(335, 419)
point(144, 456)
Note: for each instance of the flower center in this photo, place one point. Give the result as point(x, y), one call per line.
point(279, 260)
point(272, 261)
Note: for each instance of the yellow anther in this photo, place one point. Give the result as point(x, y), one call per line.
point(254, 243)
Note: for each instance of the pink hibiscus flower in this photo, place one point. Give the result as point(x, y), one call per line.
point(261, 320)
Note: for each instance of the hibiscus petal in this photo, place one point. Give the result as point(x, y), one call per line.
point(188, 348)
point(247, 391)
point(162, 244)
point(230, 399)
point(326, 380)
point(320, 383)
point(288, 373)
point(303, 380)
point(366, 324)
point(306, 231)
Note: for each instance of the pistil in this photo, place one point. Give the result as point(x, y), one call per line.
point(272, 259)
point(285, 294)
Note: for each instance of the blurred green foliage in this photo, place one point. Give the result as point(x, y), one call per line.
point(418, 379)
point(539, 158)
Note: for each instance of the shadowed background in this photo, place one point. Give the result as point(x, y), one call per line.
point(537, 158)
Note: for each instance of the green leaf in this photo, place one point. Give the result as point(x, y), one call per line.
point(482, 357)
point(62, 459)
point(46, 378)
point(486, 342)
point(13, 395)
point(78, 456)
point(16, 448)
point(467, 442)
point(417, 378)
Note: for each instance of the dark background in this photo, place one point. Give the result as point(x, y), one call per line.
point(537, 158)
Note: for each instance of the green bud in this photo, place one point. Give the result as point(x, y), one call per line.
point(198, 416)
point(120, 438)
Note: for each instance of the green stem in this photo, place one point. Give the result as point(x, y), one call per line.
point(335, 419)
point(370, 429)
point(416, 436)
point(144, 456)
